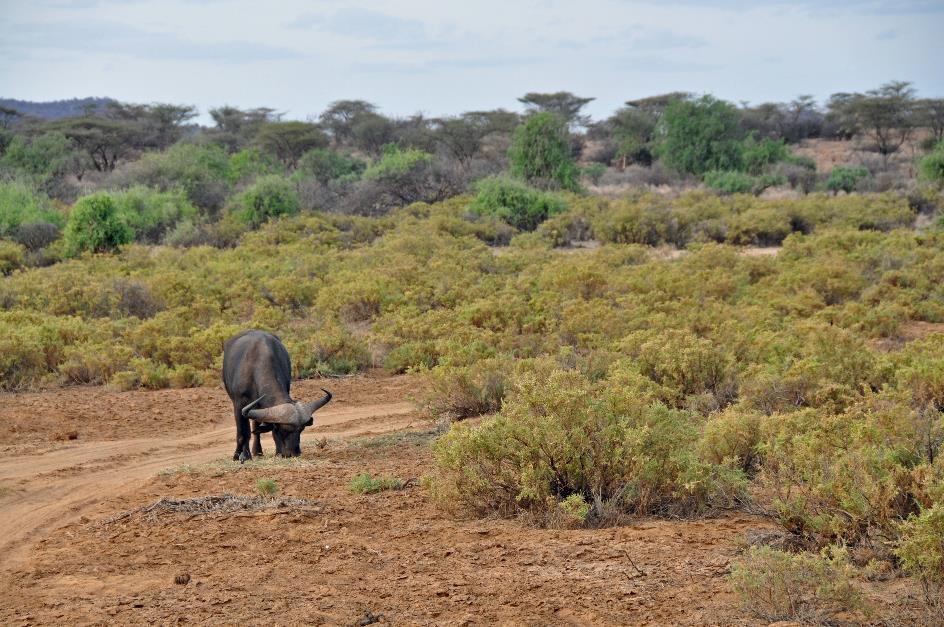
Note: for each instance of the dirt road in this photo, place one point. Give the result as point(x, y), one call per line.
point(74, 552)
point(58, 484)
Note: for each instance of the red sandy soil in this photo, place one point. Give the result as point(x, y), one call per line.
point(76, 551)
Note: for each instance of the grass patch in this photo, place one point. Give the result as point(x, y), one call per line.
point(267, 487)
point(397, 438)
point(364, 483)
point(219, 467)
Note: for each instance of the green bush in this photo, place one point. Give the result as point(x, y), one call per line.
point(807, 163)
point(931, 167)
point(730, 181)
point(540, 153)
point(201, 171)
point(325, 165)
point(701, 136)
point(559, 435)
point(21, 204)
point(45, 157)
point(96, 224)
point(395, 164)
point(757, 155)
point(845, 178)
point(250, 163)
point(151, 213)
point(516, 203)
point(269, 197)
point(594, 172)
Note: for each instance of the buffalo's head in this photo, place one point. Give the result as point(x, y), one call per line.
point(287, 420)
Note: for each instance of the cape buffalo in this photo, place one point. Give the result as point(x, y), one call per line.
point(257, 374)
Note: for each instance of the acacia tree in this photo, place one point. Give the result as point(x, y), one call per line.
point(633, 131)
point(372, 132)
point(461, 136)
point(105, 141)
point(165, 122)
point(839, 114)
point(236, 127)
point(341, 116)
point(540, 153)
point(887, 115)
point(561, 103)
point(655, 106)
point(931, 115)
point(288, 141)
point(494, 121)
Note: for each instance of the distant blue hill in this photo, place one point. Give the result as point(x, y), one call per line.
point(56, 109)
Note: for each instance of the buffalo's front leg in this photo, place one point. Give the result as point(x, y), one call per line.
point(242, 437)
point(279, 444)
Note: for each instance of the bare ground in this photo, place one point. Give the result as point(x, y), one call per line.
point(77, 550)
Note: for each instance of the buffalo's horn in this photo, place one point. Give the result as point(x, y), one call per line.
point(251, 405)
point(309, 408)
point(283, 414)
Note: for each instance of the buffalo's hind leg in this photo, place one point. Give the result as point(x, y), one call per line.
point(256, 444)
point(242, 437)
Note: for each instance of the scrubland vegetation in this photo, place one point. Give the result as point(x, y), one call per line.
point(615, 380)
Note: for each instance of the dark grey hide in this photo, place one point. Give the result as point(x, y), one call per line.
point(257, 374)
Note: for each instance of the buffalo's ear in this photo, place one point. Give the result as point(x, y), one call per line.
point(310, 422)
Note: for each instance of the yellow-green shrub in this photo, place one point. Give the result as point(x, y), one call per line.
point(473, 390)
point(808, 587)
point(921, 551)
point(12, 256)
point(559, 435)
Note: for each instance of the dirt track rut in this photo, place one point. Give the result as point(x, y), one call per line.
point(46, 489)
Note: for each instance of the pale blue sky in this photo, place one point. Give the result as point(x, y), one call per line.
point(442, 57)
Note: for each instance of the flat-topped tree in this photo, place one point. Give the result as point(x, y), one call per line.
point(461, 136)
point(930, 112)
point(105, 141)
point(887, 115)
point(656, 105)
point(158, 124)
point(372, 132)
point(341, 116)
point(237, 127)
point(633, 130)
point(495, 120)
point(288, 141)
point(562, 103)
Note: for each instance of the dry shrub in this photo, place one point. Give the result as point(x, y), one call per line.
point(559, 435)
point(921, 551)
point(807, 587)
point(462, 391)
point(136, 299)
point(732, 438)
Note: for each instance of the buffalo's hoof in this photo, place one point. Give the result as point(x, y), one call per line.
point(258, 453)
point(244, 456)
